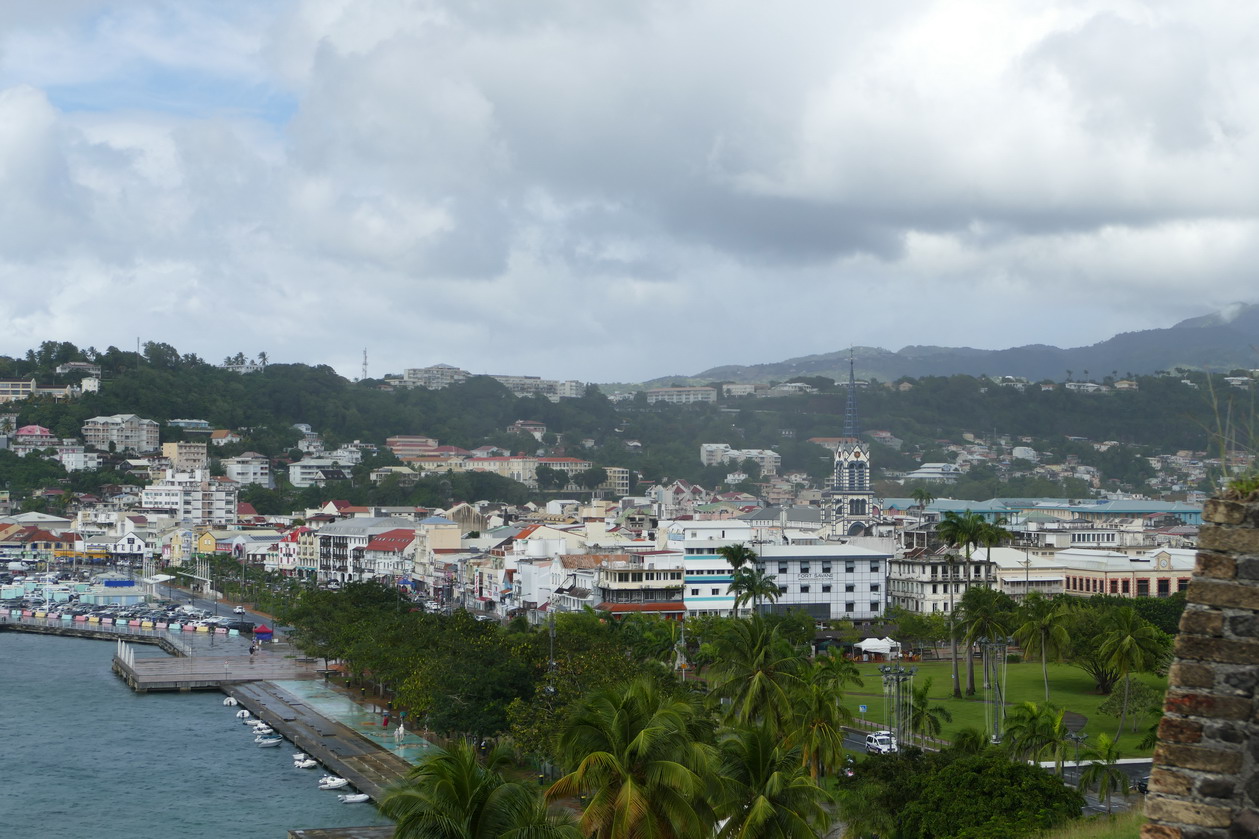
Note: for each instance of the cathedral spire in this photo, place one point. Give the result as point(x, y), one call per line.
point(850, 412)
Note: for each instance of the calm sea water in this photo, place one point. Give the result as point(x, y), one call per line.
point(84, 756)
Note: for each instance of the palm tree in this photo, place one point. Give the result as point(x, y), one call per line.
point(969, 741)
point(818, 728)
point(758, 671)
point(1131, 643)
point(985, 614)
point(741, 558)
point(640, 756)
point(1036, 732)
point(1103, 770)
point(765, 791)
point(449, 795)
point(965, 531)
point(753, 585)
point(1042, 630)
point(922, 497)
point(925, 718)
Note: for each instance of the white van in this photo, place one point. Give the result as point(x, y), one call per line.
point(880, 743)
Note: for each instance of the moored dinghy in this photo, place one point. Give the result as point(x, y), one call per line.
point(332, 782)
point(356, 798)
point(308, 763)
point(230, 701)
point(242, 714)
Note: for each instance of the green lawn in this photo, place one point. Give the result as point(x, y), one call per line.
point(1069, 687)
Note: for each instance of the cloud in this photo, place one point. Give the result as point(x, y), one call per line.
point(614, 191)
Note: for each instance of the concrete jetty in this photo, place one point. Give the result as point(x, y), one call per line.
point(97, 633)
point(205, 672)
point(340, 749)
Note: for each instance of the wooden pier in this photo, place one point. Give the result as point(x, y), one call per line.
point(341, 749)
point(205, 672)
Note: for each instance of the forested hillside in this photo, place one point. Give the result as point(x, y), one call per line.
point(927, 414)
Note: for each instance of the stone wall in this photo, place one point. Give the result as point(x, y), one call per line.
point(1204, 784)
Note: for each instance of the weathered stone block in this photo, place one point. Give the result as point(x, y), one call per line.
point(1177, 730)
point(1160, 831)
point(1219, 511)
point(1202, 621)
point(1198, 757)
point(1248, 568)
point(1244, 626)
point(1242, 681)
point(1207, 705)
point(1211, 564)
point(1217, 649)
point(1216, 787)
point(1223, 595)
point(1188, 812)
point(1245, 825)
point(1242, 540)
point(1169, 782)
point(1190, 675)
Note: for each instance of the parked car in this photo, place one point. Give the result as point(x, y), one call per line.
point(1143, 785)
point(880, 743)
point(240, 610)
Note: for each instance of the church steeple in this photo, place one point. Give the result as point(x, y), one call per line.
point(851, 428)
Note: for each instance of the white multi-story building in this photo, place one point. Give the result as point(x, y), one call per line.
point(434, 378)
point(315, 471)
point(682, 395)
point(125, 432)
point(249, 468)
point(828, 580)
point(193, 498)
point(706, 574)
point(714, 454)
point(929, 582)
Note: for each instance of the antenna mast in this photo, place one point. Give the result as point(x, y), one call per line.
point(364, 363)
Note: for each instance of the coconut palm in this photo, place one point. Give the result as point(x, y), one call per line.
point(1041, 630)
point(1035, 732)
point(985, 613)
point(753, 585)
point(450, 795)
point(1103, 770)
point(818, 728)
point(765, 792)
point(1131, 643)
point(925, 718)
point(863, 811)
point(758, 671)
point(922, 497)
point(738, 555)
point(640, 757)
point(965, 531)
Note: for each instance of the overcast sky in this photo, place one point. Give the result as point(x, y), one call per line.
point(613, 191)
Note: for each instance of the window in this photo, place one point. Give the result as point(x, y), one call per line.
point(804, 589)
point(1164, 587)
point(1126, 587)
point(874, 565)
point(874, 605)
point(1143, 588)
point(716, 592)
point(782, 590)
point(782, 568)
point(804, 568)
point(694, 592)
point(874, 587)
point(850, 587)
point(849, 606)
point(850, 567)
point(826, 589)
point(1114, 586)
point(826, 568)
point(1182, 583)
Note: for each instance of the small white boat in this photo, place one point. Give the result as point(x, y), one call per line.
point(264, 741)
point(356, 798)
point(308, 763)
point(230, 701)
point(333, 782)
point(242, 714)
point(263, 729)
point(300, 756)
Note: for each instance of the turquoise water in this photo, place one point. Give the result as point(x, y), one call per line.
point(410, 746)
point(83, 756)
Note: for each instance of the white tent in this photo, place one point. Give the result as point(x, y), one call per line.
point(879, 646)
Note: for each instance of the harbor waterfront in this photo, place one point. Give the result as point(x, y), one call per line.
point(88, 756)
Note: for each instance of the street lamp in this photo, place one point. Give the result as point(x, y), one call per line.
point(898, 683)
